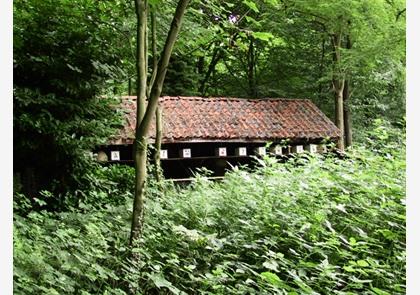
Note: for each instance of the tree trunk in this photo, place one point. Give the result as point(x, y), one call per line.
point(321, 67)
point(158, 142)
point(346, 100)
point(217, 54)
point(158, 115)
point(339, 112)
point(251, 69)
point(347, 114)
point(200, 65)
point(338, 85)
point(163, 66)
point(144, 121)
point(154, 52)
point(140, 144)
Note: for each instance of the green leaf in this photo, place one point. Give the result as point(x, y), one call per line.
point(272, 2)
point(251, 5)
point(349, 268)
point(274, 280)
point(379, 291)
point(362, 263)
point(264, 36)
point(277, 41)
point(271, 264)
point(161, 282)
point(352, 241)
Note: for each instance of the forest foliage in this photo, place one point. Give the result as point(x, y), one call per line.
point(69, 55)
point(316, 224)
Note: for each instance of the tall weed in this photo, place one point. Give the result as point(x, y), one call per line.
point(313, 225)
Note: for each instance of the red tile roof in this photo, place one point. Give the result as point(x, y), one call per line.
point(232, 119)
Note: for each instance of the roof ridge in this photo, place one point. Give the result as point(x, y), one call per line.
point(228, 98)
point(218, 98)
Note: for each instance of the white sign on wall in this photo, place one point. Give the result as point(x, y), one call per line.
point(322, 148)
point(278, 150)
point(186, 153)
point(241, 151)
point(298, 149)
point(222, 152)
point(261, 151)
point(163, 154)
point(312, 148)
point(115, 155)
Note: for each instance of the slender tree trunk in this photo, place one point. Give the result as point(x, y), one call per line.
point(158, 114)
point(251, 69)
point(346, 100)
point(212, 66)
point(154, 51)
point(140, 144)
point(158, 142)
point(321, 67)
point(338, 85)
point(339, 111)
point(163, 66)
point(144, 121)
point(347, 114)
point(200, 65)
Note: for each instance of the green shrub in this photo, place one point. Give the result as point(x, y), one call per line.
point(313, 225)
point(70, 252)
point(103, 186)
point(326, 226)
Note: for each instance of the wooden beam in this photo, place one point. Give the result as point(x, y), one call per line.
point(192, 178)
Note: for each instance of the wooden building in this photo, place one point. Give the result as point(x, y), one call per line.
point(216, 132)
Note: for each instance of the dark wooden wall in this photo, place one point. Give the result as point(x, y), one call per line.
point(203, 154)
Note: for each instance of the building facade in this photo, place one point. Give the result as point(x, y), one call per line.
point(218, 133)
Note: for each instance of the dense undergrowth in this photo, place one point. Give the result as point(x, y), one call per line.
point(314, 225)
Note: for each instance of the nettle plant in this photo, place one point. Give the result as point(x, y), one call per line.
point(316, 224)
